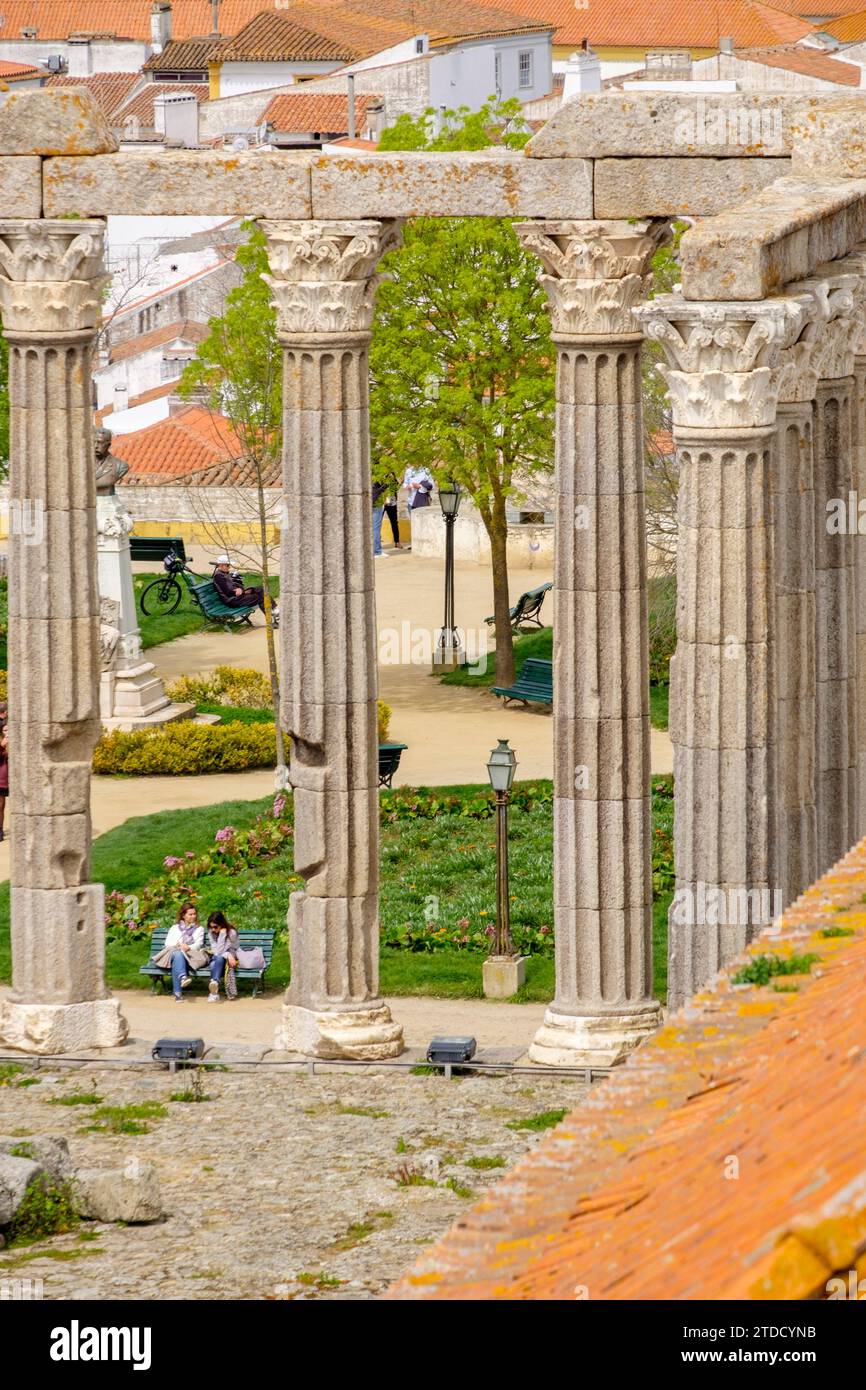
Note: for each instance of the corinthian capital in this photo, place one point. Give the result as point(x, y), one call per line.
point(723, 358)
point(323, 273)
point(598, 272)
point(838, 290)
point(51, 274)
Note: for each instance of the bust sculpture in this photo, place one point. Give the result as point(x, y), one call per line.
point(109, 469)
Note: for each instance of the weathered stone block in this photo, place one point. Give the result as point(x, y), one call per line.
point(827, 140)
point(69, 659)
point(16, 1175)
point(58, 945)
point(129, 1194)
point(49, 1029)
point(52, 122)
point(795, 651)
point(180, 182)
point(337, 841)
point(600, 542)
point(52, 766)
point(725, 831)
point(834, 601)
point(836, 733)
point(672, 187)
point(592, 1040)
point(595, 444)
point(335, 952)
point(502, 976)
point(720, 696)
point(21, 184)
point(600, 657)
point(328, 544)
point(737, 124)
point(50, 851)
point(346, 733)
point(602, 759)
point(724, 592)
point(52, 567)
point(50, 1151)
point(488, 183)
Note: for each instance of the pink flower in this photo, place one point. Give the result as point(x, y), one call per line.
point(490, 930)
point(227, 833)
point(279, 805)
point(190, 854)
point(544, 930)
point(463, 922)
point(170, 861)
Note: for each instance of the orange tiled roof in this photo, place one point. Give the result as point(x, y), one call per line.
point(277, 38)
point(850, 29)
point(109, 89)
point(808, 61)
point(140, 106)
point(188, 330)
point(679, 23)
point(194, 438)
point(310, 113)
point(185, 55)
point(617, 1198)
point(17, 72)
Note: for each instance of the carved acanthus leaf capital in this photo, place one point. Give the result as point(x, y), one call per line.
point(51, 274)
point(834, 325)
point(323, 273)
point(598, 272)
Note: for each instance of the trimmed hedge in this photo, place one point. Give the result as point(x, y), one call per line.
point(187, 749)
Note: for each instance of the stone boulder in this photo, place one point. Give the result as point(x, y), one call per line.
point(16, 1175)
point(128, 1194)
point(50, 1151)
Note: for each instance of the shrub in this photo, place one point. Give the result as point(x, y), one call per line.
point(186, 748)
point(227, 685)
point(761, 969)
point(47, 1210)
point(4, 678)
point(383, 719)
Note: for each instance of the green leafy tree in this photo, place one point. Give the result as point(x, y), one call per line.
point(461, 359)
point(237, 372)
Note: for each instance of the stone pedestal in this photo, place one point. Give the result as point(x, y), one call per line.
point(50, 299)
point(323, 280)
point(503, 976)
point(598, 272)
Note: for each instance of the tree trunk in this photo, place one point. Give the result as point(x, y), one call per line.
point(497, 530)
point(282, 750)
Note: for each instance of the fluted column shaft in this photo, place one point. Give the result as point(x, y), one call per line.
point(323, 280)
point(50, 283)
point(602, 813)
point(723, 384)
point(859, 486)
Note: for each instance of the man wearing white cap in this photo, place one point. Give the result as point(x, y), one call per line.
point(230, 587)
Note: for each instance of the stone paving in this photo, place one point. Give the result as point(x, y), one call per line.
point(278, 1176)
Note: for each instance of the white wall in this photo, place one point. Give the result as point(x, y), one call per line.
point(122, 56)
point(128, 421)
point(399, 53)
point(237, 78)
point(529, 547)
point(466, 75)
point(137, 374)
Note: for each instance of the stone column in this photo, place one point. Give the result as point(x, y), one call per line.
point(859, 486)
point(323, 280)
point(50, 299)
point(723, 387)
point(603, 1006)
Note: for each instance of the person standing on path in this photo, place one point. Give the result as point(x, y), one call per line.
point(378, 513)
point(419, 485)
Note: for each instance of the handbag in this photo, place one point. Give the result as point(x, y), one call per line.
point(163, 960)
point(253, 959)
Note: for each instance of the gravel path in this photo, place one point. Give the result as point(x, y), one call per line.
point(313, 1164)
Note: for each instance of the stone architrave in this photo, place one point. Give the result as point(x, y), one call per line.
point(323, 278)
point(836, 288)
point(597, 272)
point(723, 382)
point(50, 299)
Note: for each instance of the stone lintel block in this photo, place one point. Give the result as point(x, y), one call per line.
point(50, 851)
point(827, 140)
point(721, 696)
point(188, 182)
point(328, 544)
point(734, 125)
point(601, 654)
point(592, 1040)
point(52, 766)
point(335, 952)
point(724, 827)
point(49, 1029)
point(601, 853)
point(679, 187)
point(836, 633)
point(599, 449)
point(21, 184)
point(724, 579)
point(52, 565)
point(836, 730)
point(337, 841)
point(129, 1194)
point(58, 944)
point(602, 759)
point(65, 689)
point(781, 234)
point(600, 542)
point(480, 183)
point(54, 122)
point(348, 738)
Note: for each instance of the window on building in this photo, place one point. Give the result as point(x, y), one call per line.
point(524, 68)
point(419, 45)
point(497, 74)
point(173, 367)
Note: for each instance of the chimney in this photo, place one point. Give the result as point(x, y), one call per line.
point(582, 74)
point(121, 396)
point(726, 45)
point(175, 115)
point(160, 25)
point(350, 83)
point(215, 18)
point(80, 58)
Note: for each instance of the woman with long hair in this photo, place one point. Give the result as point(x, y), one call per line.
point(222, 943)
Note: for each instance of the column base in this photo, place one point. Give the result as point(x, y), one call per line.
point(596, 1040)
point(363, 1035)
point(49, 1029)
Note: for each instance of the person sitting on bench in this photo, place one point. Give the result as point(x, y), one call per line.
point(230, 587)
point(222, 943)
point(183, 952)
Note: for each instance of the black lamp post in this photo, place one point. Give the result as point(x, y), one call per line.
point(449, 649)
point(500, 770)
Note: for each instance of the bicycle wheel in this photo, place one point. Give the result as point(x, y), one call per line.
point(160, 598)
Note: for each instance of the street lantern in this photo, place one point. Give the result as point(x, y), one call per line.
point(501, 769)
point(449, 648)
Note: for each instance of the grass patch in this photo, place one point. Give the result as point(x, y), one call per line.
point(126, 1119)
point(482, 1163)
point(547, 1119)
point(407, 1175)
point(8, 1070)
point(77, 1098)
point(46, 1210)
point(459, 1189)
point(189, 1097)
point(828, 932)
point(361, 1230)
point(187, 618)
point(319, 1281)
point(765, 968)
point(659, 695)
point(538, 644)
point(27, 1081)
point(359, 1110)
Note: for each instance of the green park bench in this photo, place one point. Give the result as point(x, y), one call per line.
point(527, 610)
point(533, 685)
point(246, 940)
point(389, 761)
point(156, 547)
point(204, 593)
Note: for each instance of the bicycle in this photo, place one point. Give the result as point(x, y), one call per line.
point(163, 595)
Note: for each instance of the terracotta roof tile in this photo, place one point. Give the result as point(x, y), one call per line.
point(140, 106)
point(316, 113)
point(17, 72)
point(850, 29)
point(185, 55)
point(678, 23)
point(109, 89)
point(276, 38)
point(616, 1198)
point(186, 329)
point(808, 61)
point(193, 439)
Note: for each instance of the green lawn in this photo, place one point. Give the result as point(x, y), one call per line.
point(444, 866)
point(188, 618)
